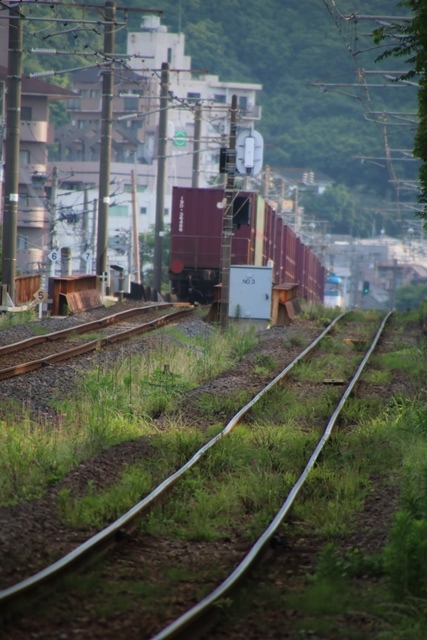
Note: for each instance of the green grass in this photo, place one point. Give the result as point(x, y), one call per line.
point(393, 446)
point(111, 405)
point(9, 319)
point(96, 509)
point(210, 501)
point(248, 474)
point(264, 364)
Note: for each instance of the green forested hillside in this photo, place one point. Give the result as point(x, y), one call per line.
point(287, 45)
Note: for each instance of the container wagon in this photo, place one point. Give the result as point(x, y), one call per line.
point(260, 237)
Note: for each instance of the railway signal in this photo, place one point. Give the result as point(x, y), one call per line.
point(250, 151)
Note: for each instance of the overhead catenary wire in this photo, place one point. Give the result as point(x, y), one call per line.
point(350, 22)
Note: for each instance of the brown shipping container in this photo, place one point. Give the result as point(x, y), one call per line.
point(196, 239)
point(196, 230)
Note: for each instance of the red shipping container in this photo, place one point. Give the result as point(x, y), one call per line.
point(196, 230)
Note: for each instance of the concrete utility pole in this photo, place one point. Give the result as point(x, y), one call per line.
point(135, 236)
point(227, 229)
point(53, 206)
point(2, 129)
point(196, 145)
point(13, 123)
point(161, 171)
point(106, 137)
point(84, 242)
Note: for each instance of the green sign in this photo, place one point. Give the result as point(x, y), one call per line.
point(180, 139)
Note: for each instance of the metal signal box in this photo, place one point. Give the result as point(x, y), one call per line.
point(250, 292)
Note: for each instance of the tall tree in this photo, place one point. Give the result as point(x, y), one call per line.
point(412, 45)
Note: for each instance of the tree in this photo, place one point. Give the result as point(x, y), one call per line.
point(146, 244)
point(338, 207)
point(412, 39)
point(411, 296)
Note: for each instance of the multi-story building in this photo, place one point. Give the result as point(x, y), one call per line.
point(136, 100)
point(34, 218)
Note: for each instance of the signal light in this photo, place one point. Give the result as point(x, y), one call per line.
point(365, 287)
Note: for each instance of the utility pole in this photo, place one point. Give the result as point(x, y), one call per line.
point(196, 145)
point(53, 205)
point(135, 237)
point(84, 244)
point(13, 120)
point(2, 128)
point(106, 137)
point(393, 286)
point(227, 229)
point(161, 171)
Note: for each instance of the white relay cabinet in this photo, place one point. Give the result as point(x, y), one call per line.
point(250, 292)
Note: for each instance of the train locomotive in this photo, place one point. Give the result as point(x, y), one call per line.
point(260, 238)
point(334, 291)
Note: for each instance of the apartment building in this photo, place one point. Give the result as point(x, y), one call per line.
point(136, 100)
point(34, 225)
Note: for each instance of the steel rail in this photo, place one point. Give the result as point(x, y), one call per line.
point(114, 532)
point(34, 365)
point(193, 615)
point(81, 328)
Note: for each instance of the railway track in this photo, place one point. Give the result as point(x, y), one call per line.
point(39, 351)
point(139, 546)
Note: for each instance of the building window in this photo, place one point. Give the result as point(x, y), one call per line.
point(193, 96)
point(128, 155)
point(24, 199)
point(217, 127)
point(220, 97)
point(94, 93)
point(24, 157)
point(119, 210)
point(73, 104)
point(169, 54)
point(83, 93)
point(22, 242)
point(143, 211)
point(243, 103)
point(26, 113)
point(131, 104)
point(166, 212)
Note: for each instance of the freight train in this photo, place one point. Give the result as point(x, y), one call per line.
point(260, 238)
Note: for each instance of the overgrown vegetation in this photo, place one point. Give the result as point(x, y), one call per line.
point(113, 404)
point(245, 477)
point(225, 497)
point(8, 320)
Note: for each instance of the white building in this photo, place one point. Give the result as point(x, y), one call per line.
point(136, 112)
